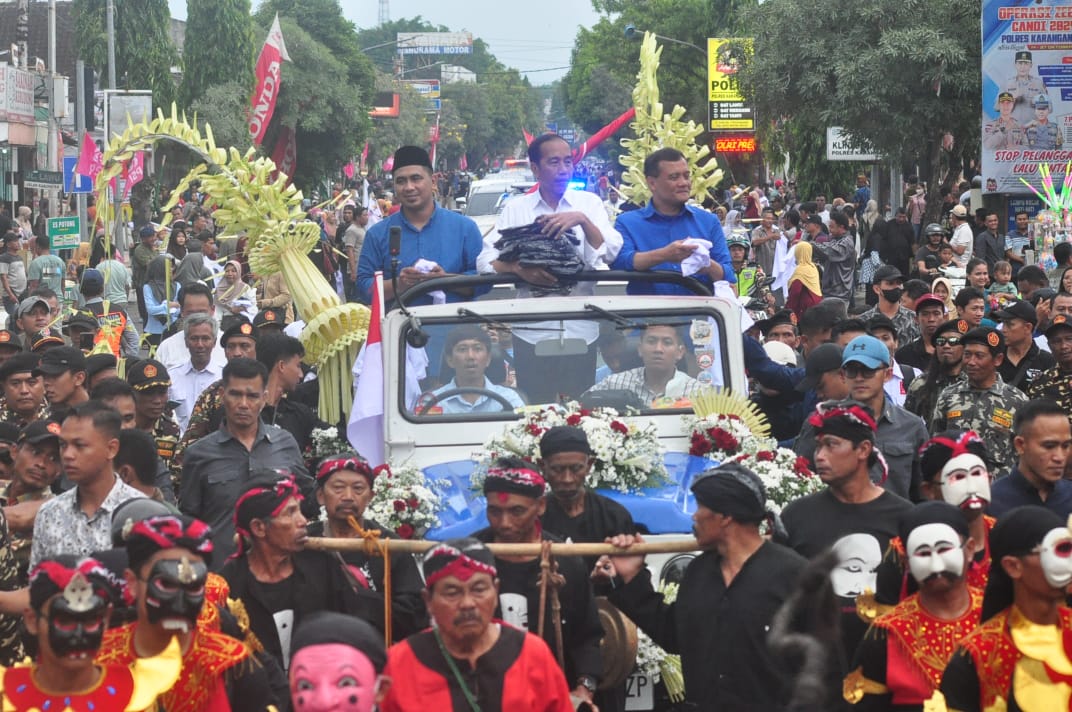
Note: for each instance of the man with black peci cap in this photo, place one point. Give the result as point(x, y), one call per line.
point(515, 502)
point(727, 599)
point(506, 669)
point(781, 327)
point(1024, 360)
point(36, 466)
point(984, 403)
point(24, 391)
point(449, 241)
point(1055, 382)
point(574, 510)
point(1016, 659)
point(63, 370)
point(899, 663)
point(888, 285)
point(269, 320)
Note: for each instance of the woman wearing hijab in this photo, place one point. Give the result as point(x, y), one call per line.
point(733, 219)
point(192, 267)
point(161, 304)
point(944, 289)
point(804, 289)
point(233, 296)
point(177, 243)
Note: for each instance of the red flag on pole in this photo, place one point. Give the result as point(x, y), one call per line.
point(599, 136)
point(269, 64)
point(348, 170)
point(527, 135)
point(365, 428)
point(364, 158)
point(285, 154)
point(135, 172)
point(90, 158)
point(463, 163)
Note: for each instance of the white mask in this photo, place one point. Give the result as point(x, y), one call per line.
point(966, 482)
point(933, 549)
point(859, 556)
point(1055, 555)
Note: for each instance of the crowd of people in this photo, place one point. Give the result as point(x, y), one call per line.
point(156, 510)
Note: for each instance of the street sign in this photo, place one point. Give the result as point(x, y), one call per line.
point(728, 109)
point(82, 184)
point(43, 180)
point(569, 135)
point(839, 148)
point(65, 232)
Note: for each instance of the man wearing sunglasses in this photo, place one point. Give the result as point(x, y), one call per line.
point(944, 370)
point(865, 363)
point(983, 403)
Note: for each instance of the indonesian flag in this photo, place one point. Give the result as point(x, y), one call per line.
point(599, 136)
point(269, 64)
point(285, 154)
point(90, 158)
point(527, 135)
point(365, 429)
point(135, 172)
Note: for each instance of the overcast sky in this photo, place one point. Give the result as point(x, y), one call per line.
point(536, 38)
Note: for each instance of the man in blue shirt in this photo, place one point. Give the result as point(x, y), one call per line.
point(450, 241)
point(1042, 438)
point(654, 236)
point(468, 353)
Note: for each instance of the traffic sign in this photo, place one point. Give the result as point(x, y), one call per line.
point(82, 184)
point(43, 180)
point(64, 232)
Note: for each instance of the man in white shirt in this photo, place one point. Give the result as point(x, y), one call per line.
point(559, 211)
point(190, 378)
point(172, 351)
point(963, 239)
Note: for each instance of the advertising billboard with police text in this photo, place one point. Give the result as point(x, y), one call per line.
point(728, 110)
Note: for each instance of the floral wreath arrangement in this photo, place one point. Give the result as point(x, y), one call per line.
point(722, 437)
point(785, 475)
point(627, 455)
point(323, 443)
point(655, 662)
point(404, 501)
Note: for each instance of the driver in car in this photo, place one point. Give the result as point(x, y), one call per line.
point(468, 354)
point(658, 382)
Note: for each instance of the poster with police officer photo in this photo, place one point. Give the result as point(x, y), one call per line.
point(1027, 92)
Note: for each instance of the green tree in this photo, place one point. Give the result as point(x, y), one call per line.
point(323, 19)
point(224, 107)
point(409, 129)
point(329, 114)
point(219, 48)
point(898, 74)
point(144, 54)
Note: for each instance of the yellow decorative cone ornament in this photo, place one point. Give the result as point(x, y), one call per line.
point(257, 201)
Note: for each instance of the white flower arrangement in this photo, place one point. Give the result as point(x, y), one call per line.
point(723, 436)
point(404, 501)
point(785, 475)
point(325, 442)
point(655, 662)
point(628, 455)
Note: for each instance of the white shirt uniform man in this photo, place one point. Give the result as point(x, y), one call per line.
point(190, 379)
point(544, 378)
point(963, 239)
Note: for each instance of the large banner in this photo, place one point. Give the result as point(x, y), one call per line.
point(1027, 92)
point(728, 110)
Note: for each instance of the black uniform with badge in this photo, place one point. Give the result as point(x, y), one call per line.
point(1022, 374)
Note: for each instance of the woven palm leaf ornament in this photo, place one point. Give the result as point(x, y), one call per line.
point(258, 201)
point(718, 401)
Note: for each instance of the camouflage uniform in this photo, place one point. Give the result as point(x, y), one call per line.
point(904, 321)
point(205, 418)
point(11, 650)
point(921, 398)
point(1055, 385)
point(166, 432)
point(989, 413)
point(10, 416)
point(21, 541)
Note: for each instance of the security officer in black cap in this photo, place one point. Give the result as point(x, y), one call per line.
point(943, 369)
point(983, 403)
point(726, 601)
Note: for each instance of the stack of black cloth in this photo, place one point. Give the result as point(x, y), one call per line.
point(557, 255)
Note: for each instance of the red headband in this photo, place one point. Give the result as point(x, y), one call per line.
point(352, 462)
point(854, 414)
point(459, 565)
point(262, 503)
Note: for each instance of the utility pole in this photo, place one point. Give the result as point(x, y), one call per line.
point(55, 148)
point(110, 12)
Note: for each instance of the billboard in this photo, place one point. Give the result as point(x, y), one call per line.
point(728, 110)
point(16, 95)
point(1027, 92)
point(435, 42)
point(839, 148)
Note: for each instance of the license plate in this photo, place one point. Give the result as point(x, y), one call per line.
point(639, 693)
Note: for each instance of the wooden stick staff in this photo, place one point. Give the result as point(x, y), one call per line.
point(419, 546)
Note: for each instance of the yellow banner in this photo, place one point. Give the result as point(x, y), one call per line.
point(725, 58)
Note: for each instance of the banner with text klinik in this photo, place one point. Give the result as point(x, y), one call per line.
point(1027, 92)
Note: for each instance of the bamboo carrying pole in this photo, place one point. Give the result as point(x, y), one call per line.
point(418, 546)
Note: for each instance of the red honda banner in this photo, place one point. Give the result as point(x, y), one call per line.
point(285, 155)
point(269, 64)
point(90, 158)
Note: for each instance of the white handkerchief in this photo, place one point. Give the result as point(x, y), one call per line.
point(700, 257)
point(425, 266)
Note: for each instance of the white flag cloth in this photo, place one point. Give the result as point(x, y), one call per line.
point(365, 428)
